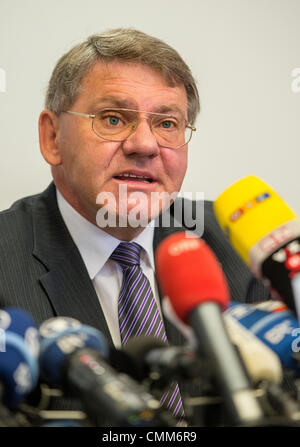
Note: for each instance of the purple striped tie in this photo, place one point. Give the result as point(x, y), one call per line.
point(139, 313)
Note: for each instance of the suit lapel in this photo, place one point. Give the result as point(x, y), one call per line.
point(66, 283)
point(161, 232)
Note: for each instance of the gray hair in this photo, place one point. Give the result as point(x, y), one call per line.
point(125, 44)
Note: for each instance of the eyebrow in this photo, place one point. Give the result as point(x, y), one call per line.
point(126, 103)
point(114, 101)
point(168, 109)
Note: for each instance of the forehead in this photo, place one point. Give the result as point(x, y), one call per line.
point(131, 85)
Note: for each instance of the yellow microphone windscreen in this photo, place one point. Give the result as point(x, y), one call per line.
point(248, 211)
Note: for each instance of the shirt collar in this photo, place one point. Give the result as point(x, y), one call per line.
point(94, 244)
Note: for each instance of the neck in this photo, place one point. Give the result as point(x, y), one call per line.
point(123, 234)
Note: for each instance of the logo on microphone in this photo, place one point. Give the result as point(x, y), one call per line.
point(249, 205)
point(278, 332)
point(2, 340)
point(184, 245)
point(295, 344)
point(290, 257)
point(56, 325)
point(275, 238)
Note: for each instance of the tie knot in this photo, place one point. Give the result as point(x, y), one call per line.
point(127, 254)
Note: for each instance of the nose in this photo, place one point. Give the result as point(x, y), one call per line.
point(141, 142)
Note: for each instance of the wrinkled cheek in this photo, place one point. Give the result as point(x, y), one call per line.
point(175, 166)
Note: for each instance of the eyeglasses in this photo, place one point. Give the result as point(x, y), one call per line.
point(117, 124)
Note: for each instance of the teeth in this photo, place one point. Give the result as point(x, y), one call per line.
point(142, 177)
point(134, 176)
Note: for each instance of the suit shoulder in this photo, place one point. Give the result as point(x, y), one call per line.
point(197, 215)
point(16, 221)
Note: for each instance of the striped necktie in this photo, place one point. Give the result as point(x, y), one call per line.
point(139, 313)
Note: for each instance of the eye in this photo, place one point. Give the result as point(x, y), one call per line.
point(167, 124)
point(113, 120)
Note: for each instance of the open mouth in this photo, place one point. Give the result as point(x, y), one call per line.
point(135, 178)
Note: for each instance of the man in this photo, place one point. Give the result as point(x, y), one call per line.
point(120, 110)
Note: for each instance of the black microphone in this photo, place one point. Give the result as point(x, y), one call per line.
point(73, 357)
point(146, 358)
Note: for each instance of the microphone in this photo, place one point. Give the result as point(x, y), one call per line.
point(73, 357)
point(262, 364)
point(189, 274)
point(266, 234)
point(60, 337)
point(278, 330)
point(148, 358)
point(18, 357)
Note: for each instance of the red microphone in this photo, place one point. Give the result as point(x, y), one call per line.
point(189, 274)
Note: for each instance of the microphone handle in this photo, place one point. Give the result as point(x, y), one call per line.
point(208, 324)
point(7, 417)
point(110, 397)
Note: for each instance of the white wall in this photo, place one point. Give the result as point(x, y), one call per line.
point(242, 52)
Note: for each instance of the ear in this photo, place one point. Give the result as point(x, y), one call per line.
point(48, 133)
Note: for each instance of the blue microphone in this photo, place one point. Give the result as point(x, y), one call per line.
point(60, 337)
point(19, 350)
point(279, 330)
point(73, 357)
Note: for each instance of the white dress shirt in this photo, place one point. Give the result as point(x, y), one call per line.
point(96, 247)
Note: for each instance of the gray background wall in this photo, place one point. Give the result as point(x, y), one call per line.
point(242, 53)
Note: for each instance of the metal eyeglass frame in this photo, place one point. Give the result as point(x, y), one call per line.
point(88, 115)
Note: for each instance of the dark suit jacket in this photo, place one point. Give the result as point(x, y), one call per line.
point(41, 269)
point(42, 272)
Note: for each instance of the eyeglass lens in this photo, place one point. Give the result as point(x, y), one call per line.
point(117, 125)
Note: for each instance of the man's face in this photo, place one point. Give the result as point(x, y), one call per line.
point(90, 165)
